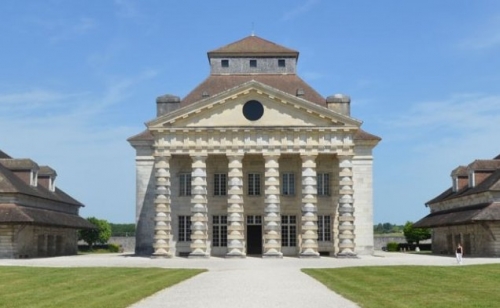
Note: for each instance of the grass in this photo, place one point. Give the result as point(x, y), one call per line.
point(84, 287)
point(415, 286)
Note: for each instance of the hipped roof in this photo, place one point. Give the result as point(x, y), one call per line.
point(15, 214)
point(461, 215)
point(253, 46)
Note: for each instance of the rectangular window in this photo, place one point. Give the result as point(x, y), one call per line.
point(224, 63)
point(288, 184)
point(219, 231)
point(254, 184)
point(254, 220)
point(253, 63)
point(281, 62)
point(288, 231)
point(185, 184)
point(324, 227)
point(184, 228)
point(220, 184)
point(323, 182)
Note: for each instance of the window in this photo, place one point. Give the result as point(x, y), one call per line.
point(288, 231)
point(323, 182)
point(254, 184)
point(253, 63)
point(254, 220)
point(219, 231)
point(185, 184)
point(288, 184)
point(184, 228)
point(324, 227)
point(281, 62)
point(224, 63)
point(220, 184)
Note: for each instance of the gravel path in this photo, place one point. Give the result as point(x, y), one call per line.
point(249, 282)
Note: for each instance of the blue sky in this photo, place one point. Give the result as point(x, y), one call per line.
point(77, 78)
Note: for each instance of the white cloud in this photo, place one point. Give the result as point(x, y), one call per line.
point(302, 9)
point(89, 151)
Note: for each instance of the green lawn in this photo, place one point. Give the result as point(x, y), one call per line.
point(415, 286)
point(84, 287)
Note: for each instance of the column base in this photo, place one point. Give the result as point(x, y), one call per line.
point(347, 255)
point(274, 255)
point(309, 255)
point(235, 256)
point(198, 256)
point(161, 256)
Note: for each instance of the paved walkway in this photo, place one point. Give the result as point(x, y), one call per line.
point(249, 282)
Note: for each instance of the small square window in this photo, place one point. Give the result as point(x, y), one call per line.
point(253, 63)
point(224, 63)
point(281, 62)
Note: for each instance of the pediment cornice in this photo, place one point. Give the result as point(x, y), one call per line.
point(252, 88)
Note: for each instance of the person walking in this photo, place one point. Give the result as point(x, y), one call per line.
point(459, 253)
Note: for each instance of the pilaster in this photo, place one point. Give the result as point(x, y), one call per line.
point(162, 206)
point(235, 211)
point(346, 208)
point(309, 247)
point(272, 223)
point(199, 218)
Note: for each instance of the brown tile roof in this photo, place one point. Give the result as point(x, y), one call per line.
point(143, 136)
point(10, 183)
point(290, 83)
point(19, 164)
point(461, 215)
point(460, 171)
point(4, 155)
point(253, 46)
point(15, 214)
point(362, 135)
point(491, 183)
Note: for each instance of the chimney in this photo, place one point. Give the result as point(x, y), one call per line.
point(339, 103)
point(166, 104)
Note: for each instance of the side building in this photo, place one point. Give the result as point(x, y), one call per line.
point(468, 212)
point(254, 161)
point(37, 219)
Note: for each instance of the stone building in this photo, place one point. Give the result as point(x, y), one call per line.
point(253, 161)
point(468, 212)
point(37, 219)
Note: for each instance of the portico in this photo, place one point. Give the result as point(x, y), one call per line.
point(227, 163)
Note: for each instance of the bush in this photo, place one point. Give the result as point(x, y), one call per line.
point(114, 248)
point(392, 246)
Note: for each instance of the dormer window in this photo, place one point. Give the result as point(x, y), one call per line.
point(281, 62)
point(253, 63)
point(455, 184)
point(34, 178)
point(224, 63)
point(472, 182)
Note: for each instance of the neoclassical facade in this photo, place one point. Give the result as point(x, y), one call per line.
point(253, 161)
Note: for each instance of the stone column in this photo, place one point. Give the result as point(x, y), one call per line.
point(162, 207)
point(309, 247)
point(346, 208)
point(199, 218)
point(272, 218)
point(235, 211)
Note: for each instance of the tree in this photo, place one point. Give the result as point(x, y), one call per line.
point(415, 235)
point(100, 234)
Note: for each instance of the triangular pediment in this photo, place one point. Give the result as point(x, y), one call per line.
point(231, 109)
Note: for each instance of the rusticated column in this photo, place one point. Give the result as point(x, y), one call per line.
point(346, 208)
point(272, 223)
point(309, 247)
point(235, 211)
point(162, 207)
point(199, 227)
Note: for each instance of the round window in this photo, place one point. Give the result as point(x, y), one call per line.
point(253, 110)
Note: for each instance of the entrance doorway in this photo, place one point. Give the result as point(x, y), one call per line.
point(254, 235)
